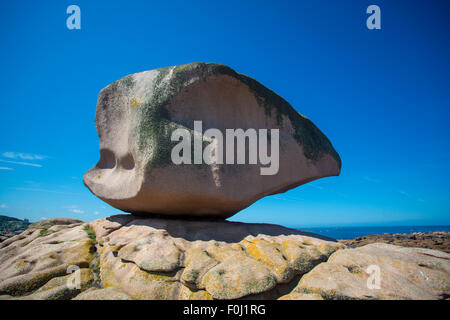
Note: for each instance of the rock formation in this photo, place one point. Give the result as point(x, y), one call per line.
point(126, 257)
point(148, 255)
point(404, 273)
point(432, 240)
point(137, 115)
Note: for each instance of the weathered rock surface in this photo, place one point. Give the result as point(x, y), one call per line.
point(37, 261)
point(433, 240)
point(133, 257)
point(102, 294)
point(47, 223)
point(136, 116)
point(149, 258)
point(176, 259)
point(405, 273)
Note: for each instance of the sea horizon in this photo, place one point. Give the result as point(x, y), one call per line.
point(348, 232)
point(351, 232)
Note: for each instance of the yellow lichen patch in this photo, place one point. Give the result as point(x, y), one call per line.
point(236, 277)
point(224, 252)
point(78, 254)
point(149, 286)
point(63, 287)
point(188, 294)
point(134, 102)
point(84, 274)
point(197, 262)
point(302, 258)
point(269, 255)
point(22, 284)
point(326, 248)
point(49, 259)
point(301, 296)
point(22, 266)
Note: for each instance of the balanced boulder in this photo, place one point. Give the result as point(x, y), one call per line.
point(137, 119)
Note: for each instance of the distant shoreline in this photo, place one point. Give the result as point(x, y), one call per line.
point(432, 237)
point(429, 237)
point(349, 233)
point(432, 240)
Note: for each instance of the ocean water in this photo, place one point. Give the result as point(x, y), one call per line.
point(347, 233)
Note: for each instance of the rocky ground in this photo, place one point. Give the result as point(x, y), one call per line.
point(129, 257)
point(433, 240)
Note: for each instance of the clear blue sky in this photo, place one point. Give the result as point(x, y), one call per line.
point(381, 96)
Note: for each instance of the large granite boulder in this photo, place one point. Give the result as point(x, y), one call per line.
point(126, 257)
point(137, 115)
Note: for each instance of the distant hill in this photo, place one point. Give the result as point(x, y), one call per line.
point(10, 224)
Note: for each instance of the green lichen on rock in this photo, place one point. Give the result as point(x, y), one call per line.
point(354, 269)
point(153, 131)
point(44, 232)
point(91, 233)
point(326, 295)
point(315, 143)
point(156, 127)
point(128, 81)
